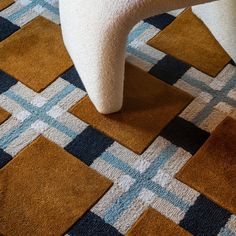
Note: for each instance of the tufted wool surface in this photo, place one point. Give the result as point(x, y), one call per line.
point(5, 3)
point(4, 115)
point(149, 105)
point(220, 18)
point(140, 181)
point(189, 40)
point(218, 156)
point(153, 223)
point(37, 44)
point(33, 187)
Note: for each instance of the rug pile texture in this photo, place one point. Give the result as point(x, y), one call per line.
point(164, 165)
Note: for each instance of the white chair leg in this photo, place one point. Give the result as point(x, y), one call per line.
point(220, 17)
point(95, 34)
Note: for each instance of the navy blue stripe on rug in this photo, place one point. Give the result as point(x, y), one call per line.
point(205, 218)
point(4, 158)
point(160, 21)
point(73, 77)
point(92, 225)
point(232, 62)
point(169, 69)
point(89, 145)
point(183, 133)
point(6, 28)
point(6, 81)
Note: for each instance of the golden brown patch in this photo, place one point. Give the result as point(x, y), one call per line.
point(35, 54)
point(44, 190)
point(149, 105)
point(152, 223)
point(189, 40)
point(212, 170)
point(4, 115)
point(5, 3)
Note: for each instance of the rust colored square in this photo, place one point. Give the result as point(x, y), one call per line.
point(35, 54)
point(189, 40)
point(212, 170)
point(149, 105)
point(5, 3)
point(44, 190)
point(151, 223)
point(4, 115)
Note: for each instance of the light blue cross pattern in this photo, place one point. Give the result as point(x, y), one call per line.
point(142, 180)
point(134, 34)
point(217, 96)
point(37, 113)
point(30, 4)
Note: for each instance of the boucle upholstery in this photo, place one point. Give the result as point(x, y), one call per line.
point(95, 34)
point(220, 18)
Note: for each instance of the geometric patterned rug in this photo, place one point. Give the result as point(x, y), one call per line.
point(31, 110)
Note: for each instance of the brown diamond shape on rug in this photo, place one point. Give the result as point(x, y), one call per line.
point(35, 54)
point(151, 223)
point(212, 170)
point(5, 3)
point(4, 115)
point(189, 40)
point(44, 190)
point(149, 105)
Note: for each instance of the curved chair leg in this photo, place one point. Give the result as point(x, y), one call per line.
point(220, 18)
point(95, 34)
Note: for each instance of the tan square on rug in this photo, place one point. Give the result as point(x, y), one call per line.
point(152, 223)
point(189, 40)
point(5, 3)
point(44, 190)
point(35, 54)
point(212, 170)
point(4, 115)
point(149, 105)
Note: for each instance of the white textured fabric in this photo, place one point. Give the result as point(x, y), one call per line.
point(220, 18)
point(95, 34)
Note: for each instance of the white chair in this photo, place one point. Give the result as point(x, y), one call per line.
point(95, 34)
point(220, 18)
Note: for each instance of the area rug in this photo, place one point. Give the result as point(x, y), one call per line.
point(43, 101)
